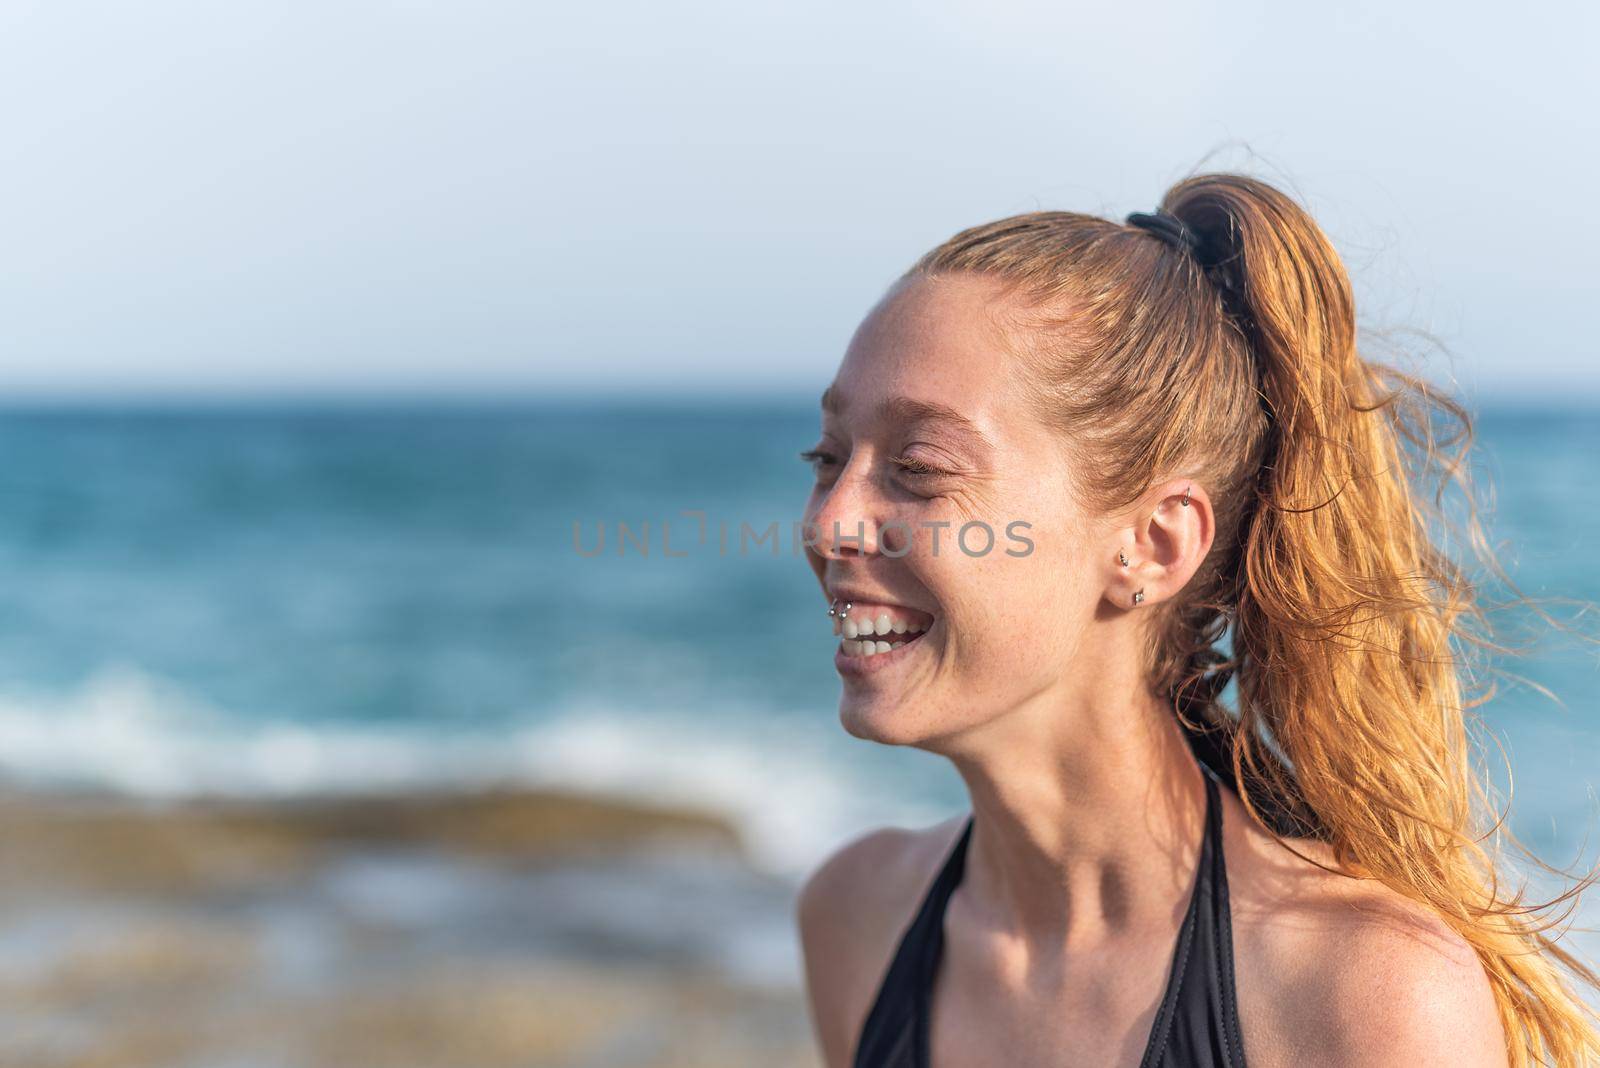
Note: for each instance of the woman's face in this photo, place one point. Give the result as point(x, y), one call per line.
point(925, 431)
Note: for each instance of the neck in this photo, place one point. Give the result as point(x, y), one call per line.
point(1088, 816)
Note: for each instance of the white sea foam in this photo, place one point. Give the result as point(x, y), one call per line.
point(794, 787)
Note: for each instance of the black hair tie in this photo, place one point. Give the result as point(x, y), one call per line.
point(1221, 264)
point(1168, 227)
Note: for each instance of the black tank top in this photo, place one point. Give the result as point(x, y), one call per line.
point(1196, 1026)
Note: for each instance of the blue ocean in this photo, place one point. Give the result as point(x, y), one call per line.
point(284, 600)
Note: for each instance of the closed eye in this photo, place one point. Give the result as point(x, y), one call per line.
point(913, 466)
point(819, 458)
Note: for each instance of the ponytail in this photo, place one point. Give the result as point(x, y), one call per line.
point(1345, 608)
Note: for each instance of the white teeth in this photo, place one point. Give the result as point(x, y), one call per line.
point(864, 648)
point(867, 626)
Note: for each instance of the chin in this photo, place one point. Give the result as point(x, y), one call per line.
point(883, 719)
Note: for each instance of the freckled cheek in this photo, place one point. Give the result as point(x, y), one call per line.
point(899, 537)
point(974, 601)
point(1016, 615)
point(918, 536)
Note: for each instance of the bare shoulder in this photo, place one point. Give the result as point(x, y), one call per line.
point(851, 910)
point(1346, 972)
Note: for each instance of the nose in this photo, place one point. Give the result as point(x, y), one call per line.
point(847, 521)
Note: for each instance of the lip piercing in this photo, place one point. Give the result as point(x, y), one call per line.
point(1137, 597)
point(835, 610)
point(1121, 559)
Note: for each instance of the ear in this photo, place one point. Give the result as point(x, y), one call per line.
point(1165, 542)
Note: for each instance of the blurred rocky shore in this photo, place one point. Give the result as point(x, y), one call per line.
point(449, 931)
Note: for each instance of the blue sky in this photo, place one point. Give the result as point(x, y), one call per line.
point(356, 197)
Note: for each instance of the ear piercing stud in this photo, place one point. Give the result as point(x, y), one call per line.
point(1185, 501)
point(1121, 558)
point(1138, 597)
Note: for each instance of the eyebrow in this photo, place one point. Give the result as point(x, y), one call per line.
point(911, 410)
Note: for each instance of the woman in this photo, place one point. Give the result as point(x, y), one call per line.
point(1166, 430)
